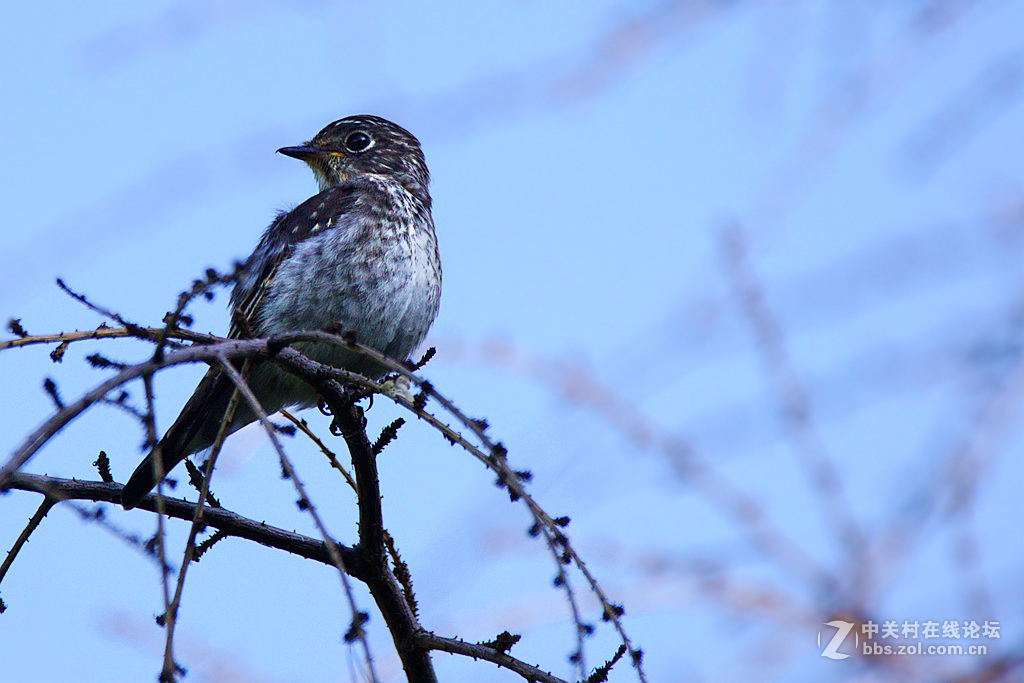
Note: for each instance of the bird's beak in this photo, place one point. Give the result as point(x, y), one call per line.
point(303, 152)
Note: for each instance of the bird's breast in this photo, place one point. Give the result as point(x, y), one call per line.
point(378, 277)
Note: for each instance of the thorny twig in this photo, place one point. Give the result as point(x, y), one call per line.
point(171, 668)
point(303, 427)
point(231, 524)
point(494, 459)
point(33, 523)
point(242, 388)
point(218, 518)
point(492, 456)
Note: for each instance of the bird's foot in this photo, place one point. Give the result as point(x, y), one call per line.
point(397, 388)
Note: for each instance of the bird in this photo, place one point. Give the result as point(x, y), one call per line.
point(360, 256)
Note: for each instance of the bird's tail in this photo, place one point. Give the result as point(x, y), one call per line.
point(195, 429)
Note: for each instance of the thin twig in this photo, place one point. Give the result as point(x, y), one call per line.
point(303, 427)
point(231, 349)
point(33, 522)
point(168, 673)
point(278, 348)
point(171, 668)
point(104, 332)
point(82, 299)
point(494, 460)
point(455, 646)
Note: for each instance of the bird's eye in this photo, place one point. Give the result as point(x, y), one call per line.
point(358, 142)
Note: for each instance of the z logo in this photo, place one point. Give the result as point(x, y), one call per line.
point(843, 629)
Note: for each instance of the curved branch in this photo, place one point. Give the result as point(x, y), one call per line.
point(33, 523)
point(231, 349)
point(431, 641)
point(326, 378)
point(229, 522)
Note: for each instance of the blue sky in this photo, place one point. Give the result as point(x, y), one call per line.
point(587, 159)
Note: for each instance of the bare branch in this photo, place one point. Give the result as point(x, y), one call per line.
point(477, 651)
point(388, 592)
point(242, 387)
point(171, 669)
point(218, 518)
point(303, 427)
point(33, 522)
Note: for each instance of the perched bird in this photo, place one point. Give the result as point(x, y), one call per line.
point(360, 256)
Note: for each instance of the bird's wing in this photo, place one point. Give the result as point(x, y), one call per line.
point(330, 210)
point(199, 420)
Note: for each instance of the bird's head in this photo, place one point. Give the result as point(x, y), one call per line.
point(364, 144)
